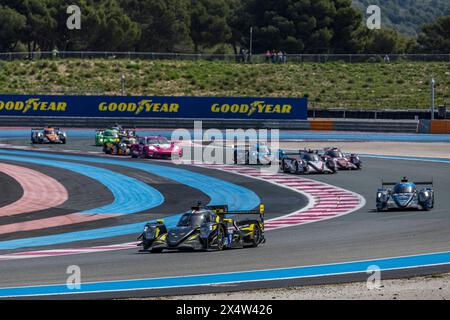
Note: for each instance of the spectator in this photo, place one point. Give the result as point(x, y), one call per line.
point(55, 53)
point(387, 59)
point(280, 56)
point(268, 56)
point(284, 57)
point(242, 55)
point(274, 56)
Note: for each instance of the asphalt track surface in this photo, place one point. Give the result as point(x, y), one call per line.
point(364, 234)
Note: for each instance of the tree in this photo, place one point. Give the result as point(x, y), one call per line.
point(164, 24)
point(104, 27)
point(303, 26)
point(388, 41)
point(435, 38)
point(209, 23)
point(39, 22)
point(12, 24)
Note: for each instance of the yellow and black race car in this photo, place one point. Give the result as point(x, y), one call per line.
point(121, 148)
point(205, 228)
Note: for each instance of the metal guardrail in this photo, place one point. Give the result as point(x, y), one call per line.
point(256, 58)
point(221, 124)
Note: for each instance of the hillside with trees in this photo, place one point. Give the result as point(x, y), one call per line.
point(407, 16)
point(220, 26)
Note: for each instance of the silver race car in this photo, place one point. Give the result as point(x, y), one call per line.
point(405, 195)
point(304, 162)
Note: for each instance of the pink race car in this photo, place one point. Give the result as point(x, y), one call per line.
point(155, 147)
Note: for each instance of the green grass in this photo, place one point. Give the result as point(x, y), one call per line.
point(328, 85)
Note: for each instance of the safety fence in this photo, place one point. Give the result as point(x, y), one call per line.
point(254, 58)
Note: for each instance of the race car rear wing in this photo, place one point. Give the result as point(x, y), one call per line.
point(223, 210)
point(41, 129)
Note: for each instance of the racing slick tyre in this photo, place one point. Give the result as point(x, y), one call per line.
point(156, 250)
point(283, 167)
point(220, 238)
point(297, 168)
point(257, 233)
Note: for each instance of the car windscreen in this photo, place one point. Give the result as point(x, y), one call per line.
point(335, 154)
point(157, 141)
point(191, 220)
point(311, 157)
point(111, 134)
point(404, 188)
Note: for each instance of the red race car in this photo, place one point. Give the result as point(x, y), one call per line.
point(341, 160)
point(155, 147)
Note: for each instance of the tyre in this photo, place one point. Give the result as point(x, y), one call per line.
point(257, 234)
point(220, 238)
point(156, 250)
point(297, 168)
point(283, 167)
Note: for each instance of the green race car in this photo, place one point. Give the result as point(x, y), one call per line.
point(106, 136)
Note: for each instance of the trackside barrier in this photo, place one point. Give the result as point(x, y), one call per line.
point(321, 125)
point(159, 123)
point(440, 126)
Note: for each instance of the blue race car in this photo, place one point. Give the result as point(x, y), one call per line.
point(405, 195)
point(258, 153)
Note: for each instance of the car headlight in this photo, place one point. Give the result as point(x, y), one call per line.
point(381, 197)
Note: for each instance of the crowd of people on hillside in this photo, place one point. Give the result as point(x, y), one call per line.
point(276, 57)
point(271, 56)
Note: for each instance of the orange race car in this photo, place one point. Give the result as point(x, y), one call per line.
point(48, 135)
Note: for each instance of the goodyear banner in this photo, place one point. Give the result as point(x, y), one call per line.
point(154, 107)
